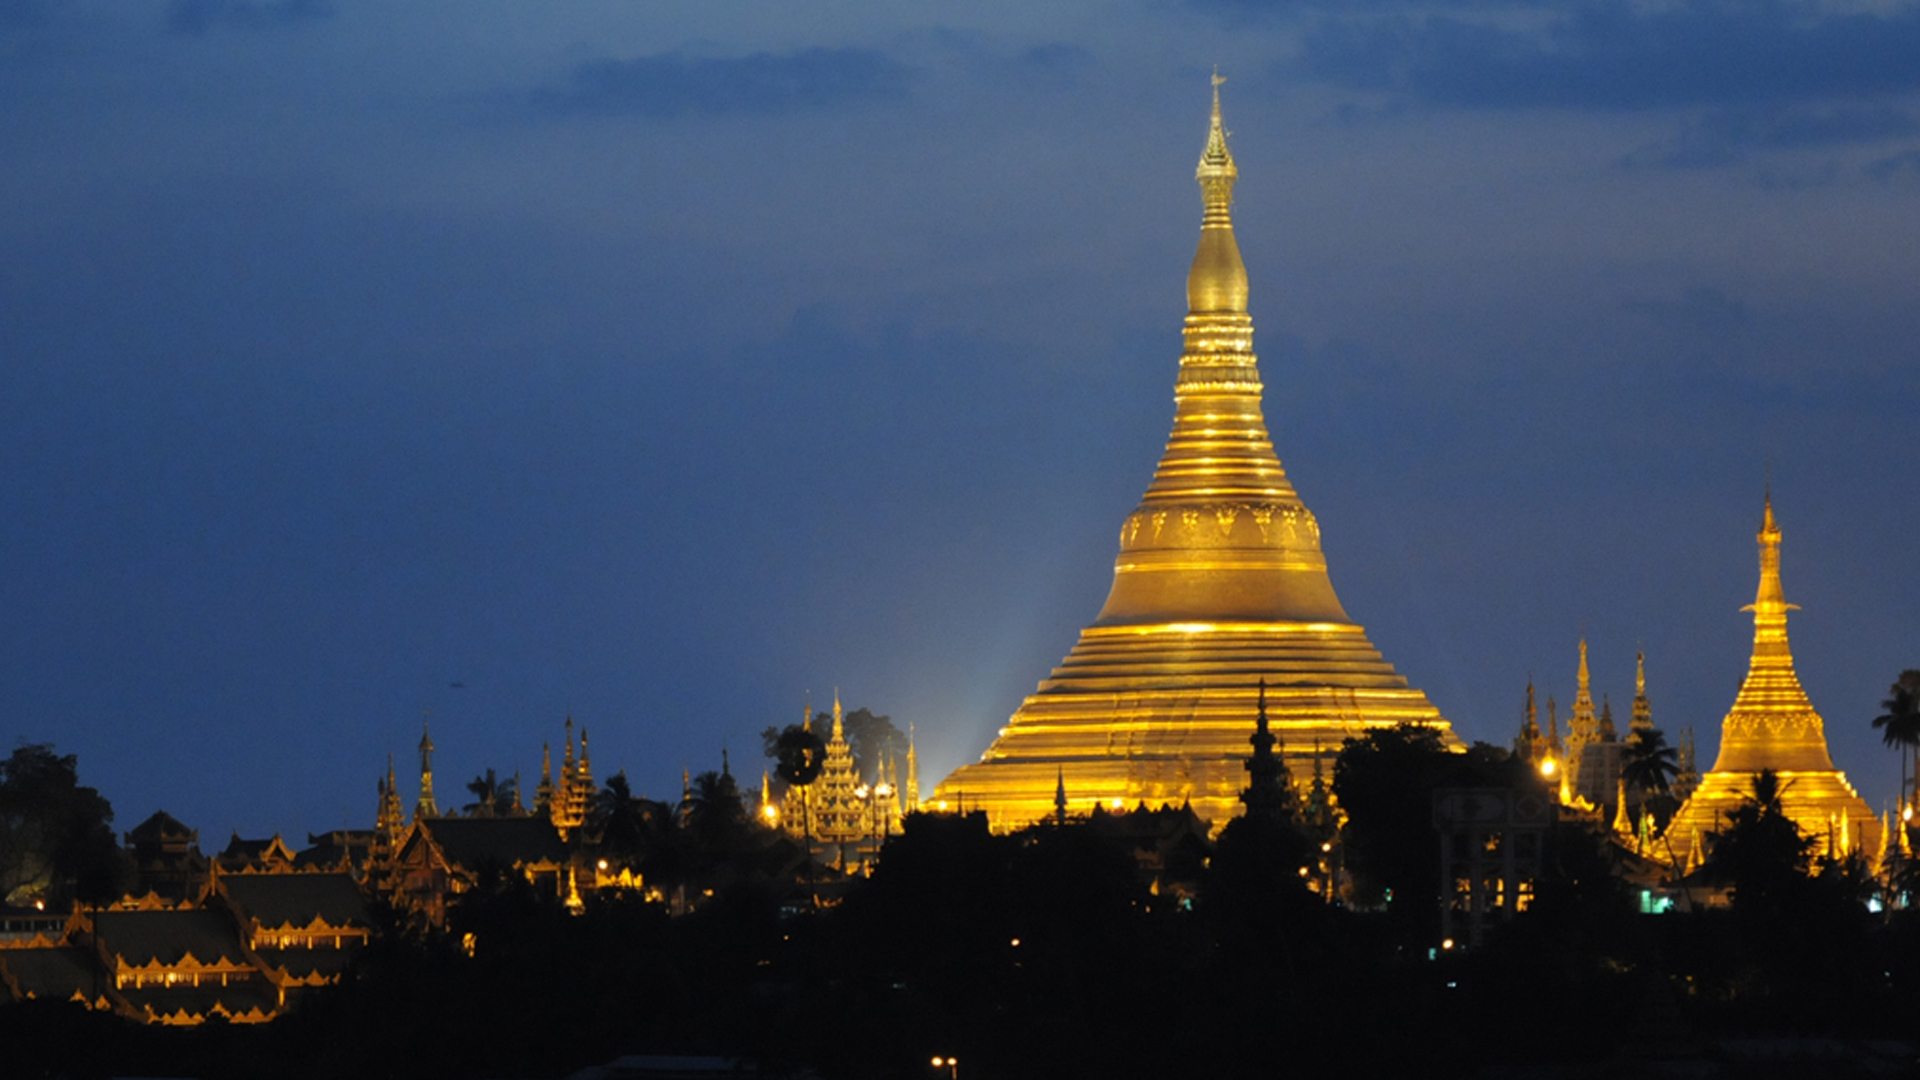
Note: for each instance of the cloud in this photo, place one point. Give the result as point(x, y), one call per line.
point(1726, 136)
point(1703, 310)
point(1895, 167)
point(200, 16)
point(674, 84)
point(1612, 57)
point(1048, 66)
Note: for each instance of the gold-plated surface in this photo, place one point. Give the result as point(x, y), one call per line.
point(1772, 725)
point(1219, 584)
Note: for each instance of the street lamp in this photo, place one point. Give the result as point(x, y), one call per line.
point(951, 1064)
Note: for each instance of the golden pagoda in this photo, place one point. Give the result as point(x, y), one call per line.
point(1220, 583)
point(1773, 726)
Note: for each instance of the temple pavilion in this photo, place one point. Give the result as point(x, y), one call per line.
point(1220, 583)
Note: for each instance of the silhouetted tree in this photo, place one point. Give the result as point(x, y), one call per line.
point(56, 837)
point(1900, 724)
point(492, 796)
point(1385, 780)
point(714, 812)
point(874, 741)
point(1649, 763)
point(1761, 853)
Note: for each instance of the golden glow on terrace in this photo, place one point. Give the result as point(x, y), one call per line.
point(1772, 725)
point(1219, 583)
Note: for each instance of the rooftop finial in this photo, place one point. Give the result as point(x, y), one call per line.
point(1216, 161)
point(1218, 280)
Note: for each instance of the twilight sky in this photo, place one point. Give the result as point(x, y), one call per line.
point(671, 364)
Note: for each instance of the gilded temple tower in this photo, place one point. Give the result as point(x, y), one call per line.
point(1772, 725)
point(426, 808)
point(1220, 583)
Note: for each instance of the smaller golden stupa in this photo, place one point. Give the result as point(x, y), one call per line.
point(1773, 726)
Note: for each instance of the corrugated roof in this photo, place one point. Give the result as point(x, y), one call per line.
point(276, 900)
point(468, 842)
point(55, 974)
point(141, 937)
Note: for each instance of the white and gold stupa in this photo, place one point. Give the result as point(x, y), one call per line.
point(1220, 584)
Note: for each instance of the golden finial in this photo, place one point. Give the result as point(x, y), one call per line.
point(1770, 603)
point(1216, 161)
point(1217, 283)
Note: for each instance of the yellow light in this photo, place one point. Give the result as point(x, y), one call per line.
point(1546, 767)
point(942, 804)
point(1303, 871)
point(603, 864)
point(1016, 943)
point(1119, 804)
point(770, 811)
point(1906, 814)
point(1447, 944)
point(1328, 846)
point(939, 1061)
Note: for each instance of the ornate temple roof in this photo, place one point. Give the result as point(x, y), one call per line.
point(274, 901)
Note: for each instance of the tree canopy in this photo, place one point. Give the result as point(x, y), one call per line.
point(56, 837)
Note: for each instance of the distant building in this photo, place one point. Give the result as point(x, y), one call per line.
point(1773, 725)
point(166, 858)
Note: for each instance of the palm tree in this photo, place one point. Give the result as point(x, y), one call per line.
point(1761, 852)
point(493, 797)
point(1650, 764)
point(1900, 724)
point(713, 809)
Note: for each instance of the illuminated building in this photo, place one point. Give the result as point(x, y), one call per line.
point(1642, 708)
point(426, 807)
point(443, 858)
point(840, 809)
point(1220, 583)
point(1582, 729)
point(166, 858)
point(1531, 746)
point(1772, 725)
point(838, 817)
point(568, 803)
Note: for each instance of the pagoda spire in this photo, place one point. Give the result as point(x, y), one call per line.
point(1060, 796)
point(426, 807)
point(1773, 726)
point(1771, 682)
point(913, 773)
point(1266, 794)
point(1642, 708)
point(543, 794)
point(1219, 581)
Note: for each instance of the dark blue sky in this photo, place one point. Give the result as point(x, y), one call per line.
point(666, 365)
